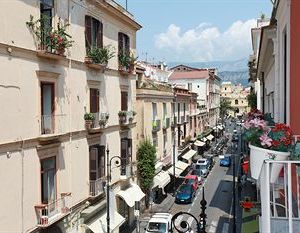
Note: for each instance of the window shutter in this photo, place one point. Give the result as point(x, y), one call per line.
point(102, 160)
point(88, 32)
point(120, 37)
point(94, 100)
point(124, 100)
point(127, 44)
point(100, 35)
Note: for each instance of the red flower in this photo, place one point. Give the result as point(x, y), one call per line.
point(287, 142)
point(275, 143)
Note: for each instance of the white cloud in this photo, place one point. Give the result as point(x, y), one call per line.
point(206, 42)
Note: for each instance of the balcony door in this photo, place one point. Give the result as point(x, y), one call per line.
point(48, 178)
point(126, 151)
point(47, 107)
point(97, 162)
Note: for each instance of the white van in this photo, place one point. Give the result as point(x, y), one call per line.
point(159, 223)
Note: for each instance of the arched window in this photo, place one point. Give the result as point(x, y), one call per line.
point(236, 102)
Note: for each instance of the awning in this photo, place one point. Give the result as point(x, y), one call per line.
point(210, 137)
point(199, 143)
point(131, 195)
point(189, 154)
point(161, 179)
point(179, 168)
point(203, 139)
point(99, 225)
point(214, 128)
point(220, 127)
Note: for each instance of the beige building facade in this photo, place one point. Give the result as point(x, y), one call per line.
point(52, 167)
point(237, 95)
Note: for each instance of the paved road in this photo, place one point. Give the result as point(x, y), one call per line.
point(218, 194)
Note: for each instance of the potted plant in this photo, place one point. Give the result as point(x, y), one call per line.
point(266, 142)
point(89, 118)
point(103, 120)
point(100, 56)
point(53, 40)
point(124, 62)
point(131, 116)
point(122, 116)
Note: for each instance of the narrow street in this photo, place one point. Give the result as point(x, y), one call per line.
point(218, 194)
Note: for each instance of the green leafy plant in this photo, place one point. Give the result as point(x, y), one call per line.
point(122, 113)
point(89, 116)
point(252, 100)
point(146, 156)
point(101, 55)
point(49, 38)
point(124, 60)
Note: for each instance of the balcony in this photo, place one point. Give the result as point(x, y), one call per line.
point(280, 202)
point(174, 122)
point(51, 127)
point(182, 119)
point(125, 172)
point(156, 126)
point(50, 213)
point(97, 122)
point(96, 187)
point(166, 123)
point(126, 118)
point(187, 119)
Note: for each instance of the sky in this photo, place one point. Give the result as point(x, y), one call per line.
point(195, 30)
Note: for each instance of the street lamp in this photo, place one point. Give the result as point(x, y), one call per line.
point(185, 226)
point(108, 179)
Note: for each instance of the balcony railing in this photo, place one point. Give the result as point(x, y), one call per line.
point(156, 126)
point(166, 123)
point(52, 124)
point(101, 119)
point(182, 119)
point(96, 187)
point(53, 211)
point(280, 201)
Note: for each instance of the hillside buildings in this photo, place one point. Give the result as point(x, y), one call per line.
point(53, 163)
point(278, 73)
point(237, 96)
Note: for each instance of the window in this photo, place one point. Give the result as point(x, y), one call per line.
point(97, 162)
point(165, 109)
point(94, 100)
point(236, 102)
point(189, 86)
point(124, 100)
point(225, 88)
point(47, 108)
point(154, 111)
point(178, 110)
point(126, 152)
point(93, 32)
point(124, 43)
point(46, 14)
point(165, 143)
point(48, 178)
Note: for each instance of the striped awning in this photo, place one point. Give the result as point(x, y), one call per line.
point(199, 143)
point(210, 137)
point(189, 154)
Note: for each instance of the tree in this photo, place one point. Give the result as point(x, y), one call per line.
point(225, 106)
point(146, 156)
point(252, 100)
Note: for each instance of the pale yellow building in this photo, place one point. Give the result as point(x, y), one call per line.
point(154, 105)
point(237, 95)
point(52, 169)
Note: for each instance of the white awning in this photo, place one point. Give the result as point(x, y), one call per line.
point(177, 171)
point(199, 143)
point(181, 165)
point(131, 195)
point(220, 127)
point(214, 128)
point(204, 139)
point(189, 154)
point(210, 137)
point(179, 168)
point(161, 179)
point(99, 225)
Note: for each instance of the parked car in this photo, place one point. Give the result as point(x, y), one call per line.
point(185, 194)
point(159, 223)
point(225, 160)
point(202, 164)
point(197, 172)
point(191, 180)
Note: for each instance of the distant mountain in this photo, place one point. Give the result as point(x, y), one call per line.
point(233, 71)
